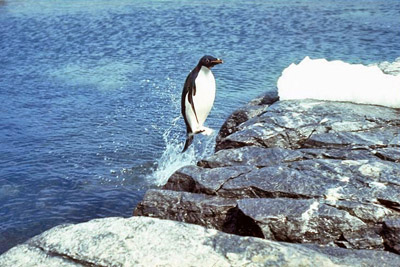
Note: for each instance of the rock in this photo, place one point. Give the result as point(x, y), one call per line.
point(198, 180)
point(290, 124)
point(391, 233)
point(350, 257)
point(250, 156)
point(252, 109)
point(392, 68)
point(304, 171)
point(365, 180)
point(209, 211)
point(324, 177)
point(141, 241)
point(389, 154)
point(27, 255)
point(300, 220)
point(200, 209)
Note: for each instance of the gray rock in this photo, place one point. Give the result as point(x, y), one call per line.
point(366, 180)
point(141, 241)
point(198, 180)
point(251, 156)
point(27, 255)
point(354, 257)
point(200, 209)
point(324, 176)
point(209, 211)
point(300, 220)
point(252, 109)
point(391, 233)
point(302, 172)
point(290, 124)
point(313, 221)
point(369, 139)
point(389, 153)
point(369, 213)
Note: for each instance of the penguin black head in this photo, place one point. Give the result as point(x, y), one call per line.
point(209, 61)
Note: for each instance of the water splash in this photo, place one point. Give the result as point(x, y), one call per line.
point(172, 159)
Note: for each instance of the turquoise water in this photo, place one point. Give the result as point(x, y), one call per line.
point(90, 90)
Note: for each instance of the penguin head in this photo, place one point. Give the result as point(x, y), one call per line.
point(209, 61)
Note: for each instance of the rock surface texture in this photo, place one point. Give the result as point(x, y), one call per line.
point(141, 241)
point(303, 171)
point(292, 183)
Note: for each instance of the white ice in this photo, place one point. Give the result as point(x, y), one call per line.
point(340, 81)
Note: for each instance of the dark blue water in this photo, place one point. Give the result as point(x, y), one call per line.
point(89, 113)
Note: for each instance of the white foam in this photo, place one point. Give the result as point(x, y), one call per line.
point(172, 159)
point(340, 81)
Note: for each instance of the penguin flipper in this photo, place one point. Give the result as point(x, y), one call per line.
point(190, 99)
point(189, 90)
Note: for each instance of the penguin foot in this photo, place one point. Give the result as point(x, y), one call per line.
point(206, 131)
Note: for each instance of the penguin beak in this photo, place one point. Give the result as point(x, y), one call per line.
point(217, 61)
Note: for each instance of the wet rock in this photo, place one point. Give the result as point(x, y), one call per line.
point(210, 211)
point(201, 209)
point(198, 180)
point(306, 171)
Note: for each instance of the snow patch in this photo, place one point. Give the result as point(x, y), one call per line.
point(340, 81)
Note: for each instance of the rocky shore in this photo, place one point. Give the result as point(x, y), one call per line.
point(297, 182)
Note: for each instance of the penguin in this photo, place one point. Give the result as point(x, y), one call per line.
point(198, 98)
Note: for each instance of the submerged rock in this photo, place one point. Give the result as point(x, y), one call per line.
point(141, 241)
point(299, 171)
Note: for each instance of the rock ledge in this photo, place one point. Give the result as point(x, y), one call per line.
point(298, 171)
point(293, 183)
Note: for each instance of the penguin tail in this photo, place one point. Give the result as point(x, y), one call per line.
point(189, 141)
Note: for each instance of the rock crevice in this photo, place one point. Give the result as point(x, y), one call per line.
point(308, 172)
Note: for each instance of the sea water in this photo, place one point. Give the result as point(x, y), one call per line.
point(90, 90)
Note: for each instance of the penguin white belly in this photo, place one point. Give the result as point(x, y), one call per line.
point(203, 100)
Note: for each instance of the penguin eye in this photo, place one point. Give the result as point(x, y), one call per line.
point(207, 61)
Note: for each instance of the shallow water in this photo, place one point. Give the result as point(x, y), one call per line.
point(90, 90)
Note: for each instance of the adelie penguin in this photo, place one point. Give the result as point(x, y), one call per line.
point(198, 98)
